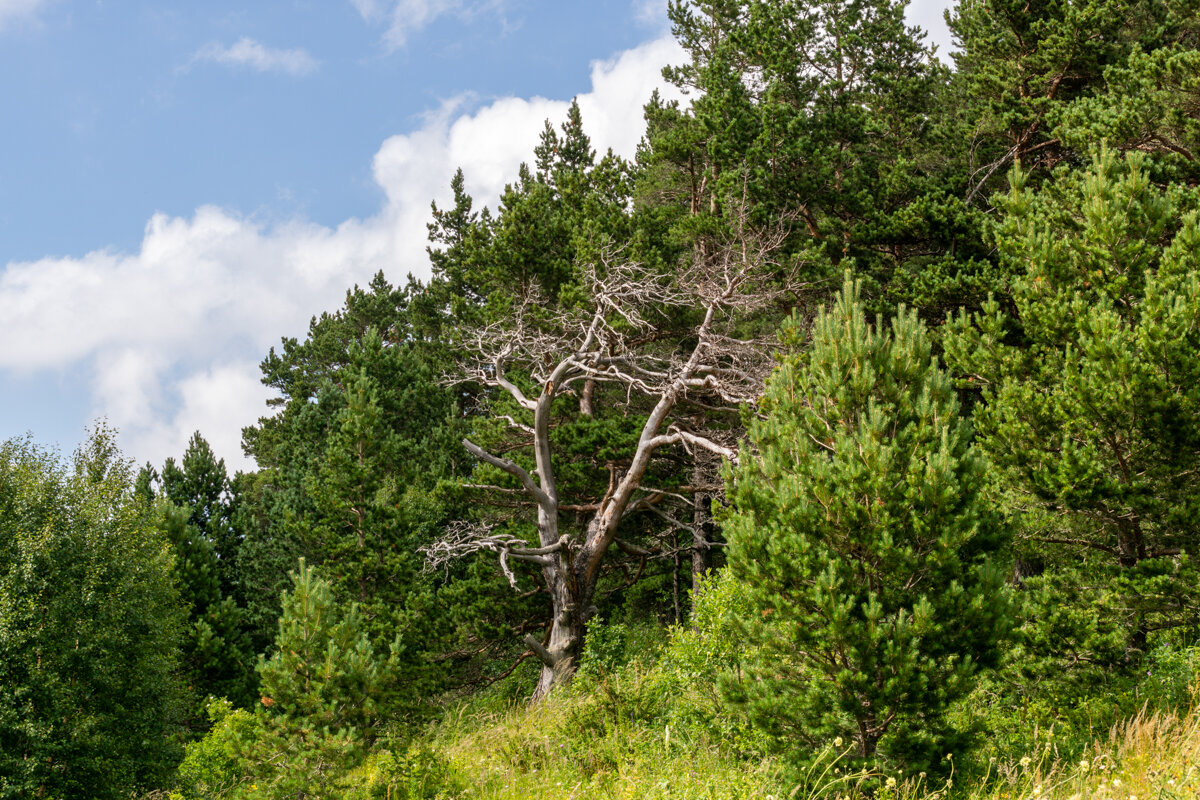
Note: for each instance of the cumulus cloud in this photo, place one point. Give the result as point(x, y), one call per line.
point(15, 9)
point(405, 17)
point(172, 334)
point(205, 400)
point(246, 52)
point(651, 12)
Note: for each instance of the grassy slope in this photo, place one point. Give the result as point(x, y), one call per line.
point(645, 720)
point(653, 726)
point(603, 738)
point(541, 752)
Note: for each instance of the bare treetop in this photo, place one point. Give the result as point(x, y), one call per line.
point(670, 340)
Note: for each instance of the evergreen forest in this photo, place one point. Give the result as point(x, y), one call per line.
point(845, 443)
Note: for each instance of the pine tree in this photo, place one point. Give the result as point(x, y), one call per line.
point(813, 111)
point(324, 674)
point(362, 530)
point(364, 432)
point(195, 505)
point(1091, 402)
point(1036, 76)
point(322, 691)
point(201, 485)
point(567, 211)
point(857, 522)
point(215, 651)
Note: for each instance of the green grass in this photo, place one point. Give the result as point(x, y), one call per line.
point(605, 738)
point(652, 725)
point(644, 720)
point(540, 751)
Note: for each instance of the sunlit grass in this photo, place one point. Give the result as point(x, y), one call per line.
point(523, 752)
point(593, 745)
point(1153, 755)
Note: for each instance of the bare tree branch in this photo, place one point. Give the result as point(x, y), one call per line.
point(624, 340)
point(463, 538)
point(516, 471)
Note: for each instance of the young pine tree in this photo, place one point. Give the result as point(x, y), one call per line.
point(857, 523)
point(324, 675)
point(322, 692)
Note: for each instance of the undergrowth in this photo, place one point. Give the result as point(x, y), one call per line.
point(645, 718)
point(606, 742)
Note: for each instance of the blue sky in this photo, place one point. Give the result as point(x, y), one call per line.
point(183, 184)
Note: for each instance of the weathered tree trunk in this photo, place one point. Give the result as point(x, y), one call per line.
point(1131, 544)
point(586, 408)
point(675, 576)
point(560, 654)
point(572, 588)
point(868, 737)
point(701, 552)
point(701, 549)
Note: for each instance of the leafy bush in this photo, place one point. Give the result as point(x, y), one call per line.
point(711, 643)
point(215, 765)
point(415, 774)
point(89, 621)
point(1172, 681)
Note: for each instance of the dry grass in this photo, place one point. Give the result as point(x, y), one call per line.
point(1153, 755)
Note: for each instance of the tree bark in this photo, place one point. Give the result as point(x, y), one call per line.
point(701, 549)
point(675, 576)
point(560, 657)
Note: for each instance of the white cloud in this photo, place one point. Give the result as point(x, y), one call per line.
point(246, 52)
point(127, 382)
point(405, 17)
point(172, 334)
point(651, 12)
point(208, 400)
point(15, 9)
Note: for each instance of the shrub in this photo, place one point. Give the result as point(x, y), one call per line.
point(89, 621)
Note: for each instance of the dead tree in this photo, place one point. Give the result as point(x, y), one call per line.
point(622, 341)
